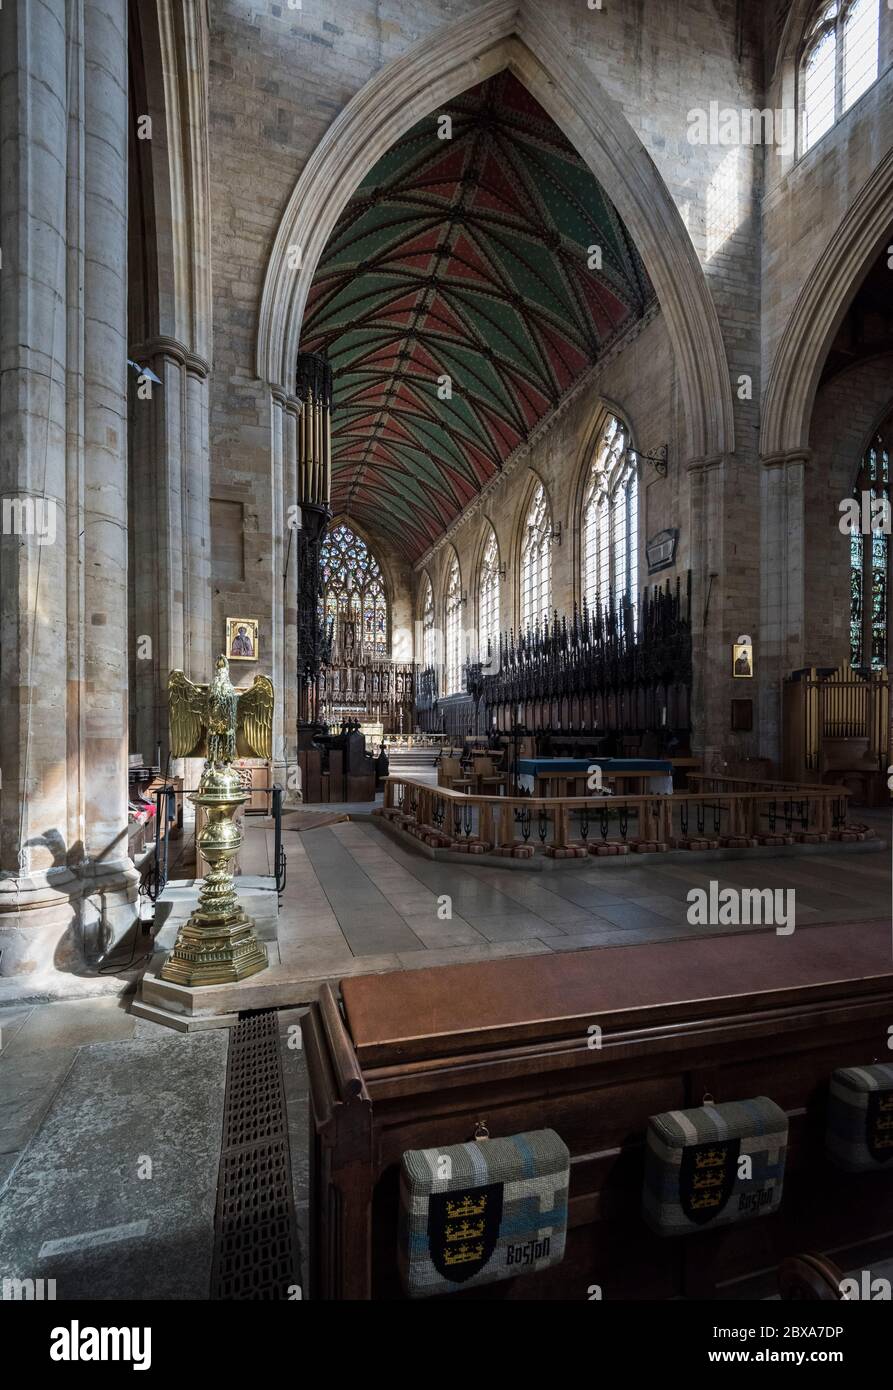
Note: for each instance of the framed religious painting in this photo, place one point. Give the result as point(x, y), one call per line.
point(742, 659)
point(241, 639)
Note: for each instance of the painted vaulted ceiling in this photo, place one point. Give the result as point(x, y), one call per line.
point(458, 302)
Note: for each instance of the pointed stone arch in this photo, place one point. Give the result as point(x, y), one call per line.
point(517, 36)
point(823, 301)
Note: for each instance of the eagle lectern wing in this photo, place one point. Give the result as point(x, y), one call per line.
point(189, 714)
point(254, 720)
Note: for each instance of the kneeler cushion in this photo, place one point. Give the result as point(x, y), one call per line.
point(695, 1174)
point(475, 1213)
point(859, 1136)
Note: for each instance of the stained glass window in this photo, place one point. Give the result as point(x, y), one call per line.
point(839, 62)
point(488, 601)
point(869, 562)
point(536, 562)
point(610, 522)
point(354, 605)
point(453, 632)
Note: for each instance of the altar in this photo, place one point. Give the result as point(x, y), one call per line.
point(570, 776)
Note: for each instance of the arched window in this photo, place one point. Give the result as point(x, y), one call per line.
point(488, 601)
point(610, 522)
point(869, 565)
point(353, 604)
point(453, 631)
point(536, 562)
point(428, 644)
point(839, 61)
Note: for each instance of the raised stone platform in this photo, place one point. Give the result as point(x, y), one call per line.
point(188, 1008)
point(357, 901)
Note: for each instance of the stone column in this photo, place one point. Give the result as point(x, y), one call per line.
point(782, 586)
point(292, 412)
point(710, 677)
point(288, 774)
point(284, 413)
point(278, 533)
point(37, 915)
point(170, 503)
point(197, 642)
point(110, 879)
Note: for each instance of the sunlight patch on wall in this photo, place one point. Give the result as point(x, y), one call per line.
point(723, 214)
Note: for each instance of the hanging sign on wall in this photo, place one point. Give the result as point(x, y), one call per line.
point(661, 550)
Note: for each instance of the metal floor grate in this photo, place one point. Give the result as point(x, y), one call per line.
point(256, 1252)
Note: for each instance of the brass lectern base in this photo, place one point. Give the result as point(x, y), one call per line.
point(215, 953)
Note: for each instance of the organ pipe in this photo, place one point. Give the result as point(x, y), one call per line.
point(314, 390)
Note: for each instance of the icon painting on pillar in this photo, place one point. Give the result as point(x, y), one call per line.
point(742, 658)
point(241, 639)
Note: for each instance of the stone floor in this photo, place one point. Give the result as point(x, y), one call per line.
point(110, 1137)
point(356, 897)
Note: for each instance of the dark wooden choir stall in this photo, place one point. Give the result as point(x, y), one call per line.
point(421, 1058)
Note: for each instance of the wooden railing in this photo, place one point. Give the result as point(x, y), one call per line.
point(718, 782)
point(572, 826)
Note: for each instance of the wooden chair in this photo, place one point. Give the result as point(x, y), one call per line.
point(451, 775)
point(489, 780)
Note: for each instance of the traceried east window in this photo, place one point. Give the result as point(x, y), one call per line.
point(536, 562)
point(869, 563)
point(488, 601)
point(610, 523)
point(428, 643)
point(354, 606)
point(839, 61)
point(453, 631)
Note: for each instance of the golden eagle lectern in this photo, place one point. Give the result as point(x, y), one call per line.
point(218, 943)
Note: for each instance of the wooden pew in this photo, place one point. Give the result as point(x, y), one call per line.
point(417, 1058)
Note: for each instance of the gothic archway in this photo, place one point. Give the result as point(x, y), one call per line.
point(794, 377)
point(519, 37)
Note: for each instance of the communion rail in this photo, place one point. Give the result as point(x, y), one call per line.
point(565, 827)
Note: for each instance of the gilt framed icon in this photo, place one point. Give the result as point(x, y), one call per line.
point(242, 639)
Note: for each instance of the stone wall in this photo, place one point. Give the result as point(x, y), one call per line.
point(807, 197)
point(278, 76)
